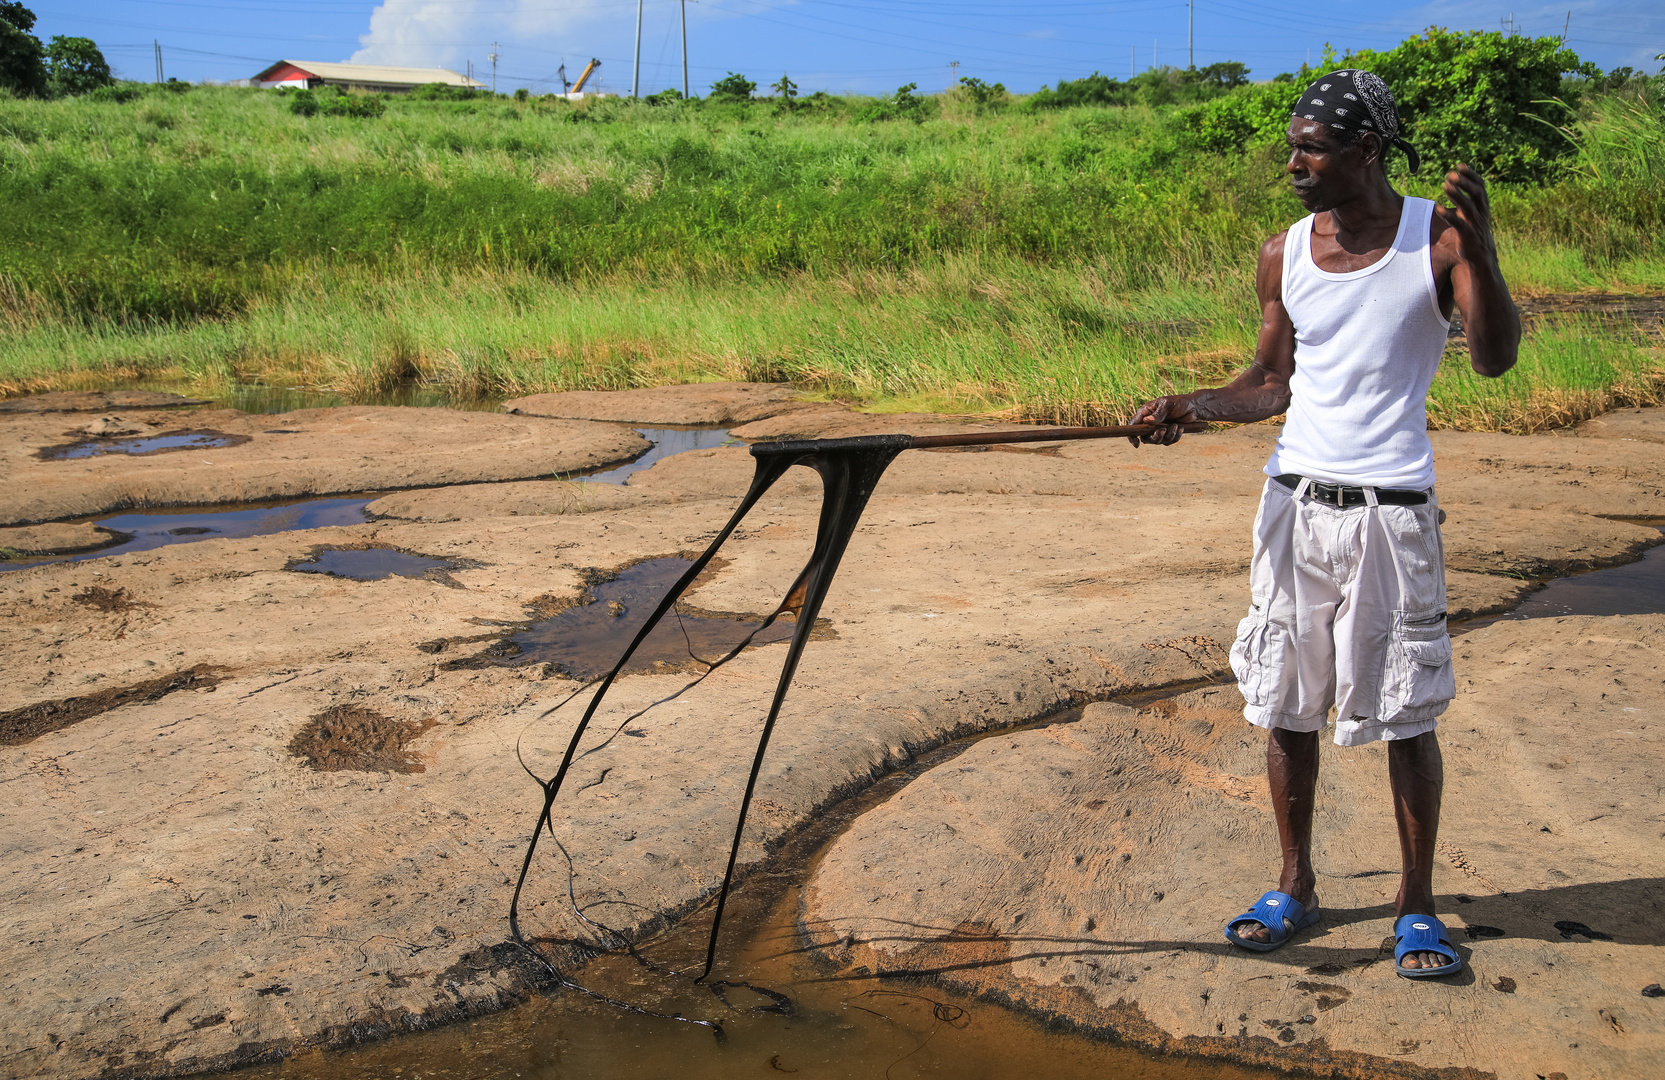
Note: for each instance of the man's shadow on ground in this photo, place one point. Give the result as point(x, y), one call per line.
point(1630, 912)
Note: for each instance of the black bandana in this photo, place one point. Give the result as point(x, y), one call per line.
point(1351, 100)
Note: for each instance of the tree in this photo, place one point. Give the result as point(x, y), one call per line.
point(786, 88)
point(22, 57)
point(733, 86)
point(1227, 74)
point(75, 66)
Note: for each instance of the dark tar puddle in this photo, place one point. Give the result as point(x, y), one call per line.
point(149, 444)
point(371, 564)
point(586, 641)
point(667, 442)
point(840, 1025)
point(162, 527)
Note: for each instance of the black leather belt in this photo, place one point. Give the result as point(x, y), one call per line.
point(1340, 495)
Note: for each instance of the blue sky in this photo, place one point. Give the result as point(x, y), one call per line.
point(863, 46)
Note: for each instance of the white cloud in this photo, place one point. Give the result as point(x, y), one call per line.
point(428, 33)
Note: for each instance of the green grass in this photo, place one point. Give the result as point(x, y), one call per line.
point(1061, 265)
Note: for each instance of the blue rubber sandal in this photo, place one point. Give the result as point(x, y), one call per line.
point(1280, 913)
point(1423, 933)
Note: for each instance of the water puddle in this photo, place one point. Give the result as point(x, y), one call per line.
point(586, 640)
point(1636, 588)
point(667, 442)
point(369, 564)
point(255, 398)
point(144, 444)
point(832, 1025)
point(159, 528)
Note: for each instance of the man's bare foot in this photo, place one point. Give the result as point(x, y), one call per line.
point(1424, 960)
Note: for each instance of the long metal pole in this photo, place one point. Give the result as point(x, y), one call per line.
point(636, 71)
point(1191, 34)
point(684, 48)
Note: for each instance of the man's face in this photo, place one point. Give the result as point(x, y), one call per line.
point(1321, 172)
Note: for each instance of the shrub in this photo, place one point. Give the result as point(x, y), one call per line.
point(118, 93)
point(1158, 86)
point(444, 92)
point(1251, 115)
point(523, 94)
point(733, 86)
point(902, 105)
point(1470, 96)
point(335, 101)
point(984, 96)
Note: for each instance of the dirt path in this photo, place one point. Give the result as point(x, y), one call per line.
point(188, 889)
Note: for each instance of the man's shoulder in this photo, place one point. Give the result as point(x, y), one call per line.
point(1272, 249)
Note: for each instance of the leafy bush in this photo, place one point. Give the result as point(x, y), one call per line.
point(733, 86)
point(983, 96)
point(75, 66)
point(444, 92)
point(1472, 96)
point(1252, 115)
point(668, 96)
point(335, 101)
point(118, 93)
point(1158, 86)
point(902, 105)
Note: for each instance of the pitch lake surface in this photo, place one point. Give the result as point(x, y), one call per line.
point(163, 526)
point(837, 1025)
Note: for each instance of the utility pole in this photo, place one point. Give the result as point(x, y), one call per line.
point(685, 49)
point(493, 59)
point(953, 73)
point(636, 71)
point(1191, 34)
point(158, 46)
point(1565, 27)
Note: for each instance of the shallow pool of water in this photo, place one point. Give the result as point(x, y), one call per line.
point(1636, 588)
point(369, 564)
point(147, 444)
point(586, 641)
point(158, 528)
point(667, 442)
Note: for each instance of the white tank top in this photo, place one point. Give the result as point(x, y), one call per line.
point(1367, 345)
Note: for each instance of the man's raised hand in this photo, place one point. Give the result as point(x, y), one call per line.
point(1470, 214)
point(1169, 414)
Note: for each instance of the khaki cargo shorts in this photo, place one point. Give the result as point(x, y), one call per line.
point(1348, 611)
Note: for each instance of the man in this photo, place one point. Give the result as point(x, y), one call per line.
point(1348, 575)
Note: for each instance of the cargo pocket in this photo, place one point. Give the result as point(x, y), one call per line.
point(1419, 678)
point(1261, 659)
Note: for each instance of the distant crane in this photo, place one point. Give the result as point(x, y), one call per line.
point(589, 69)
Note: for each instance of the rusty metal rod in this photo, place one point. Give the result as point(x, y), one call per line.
point(1061, 434)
